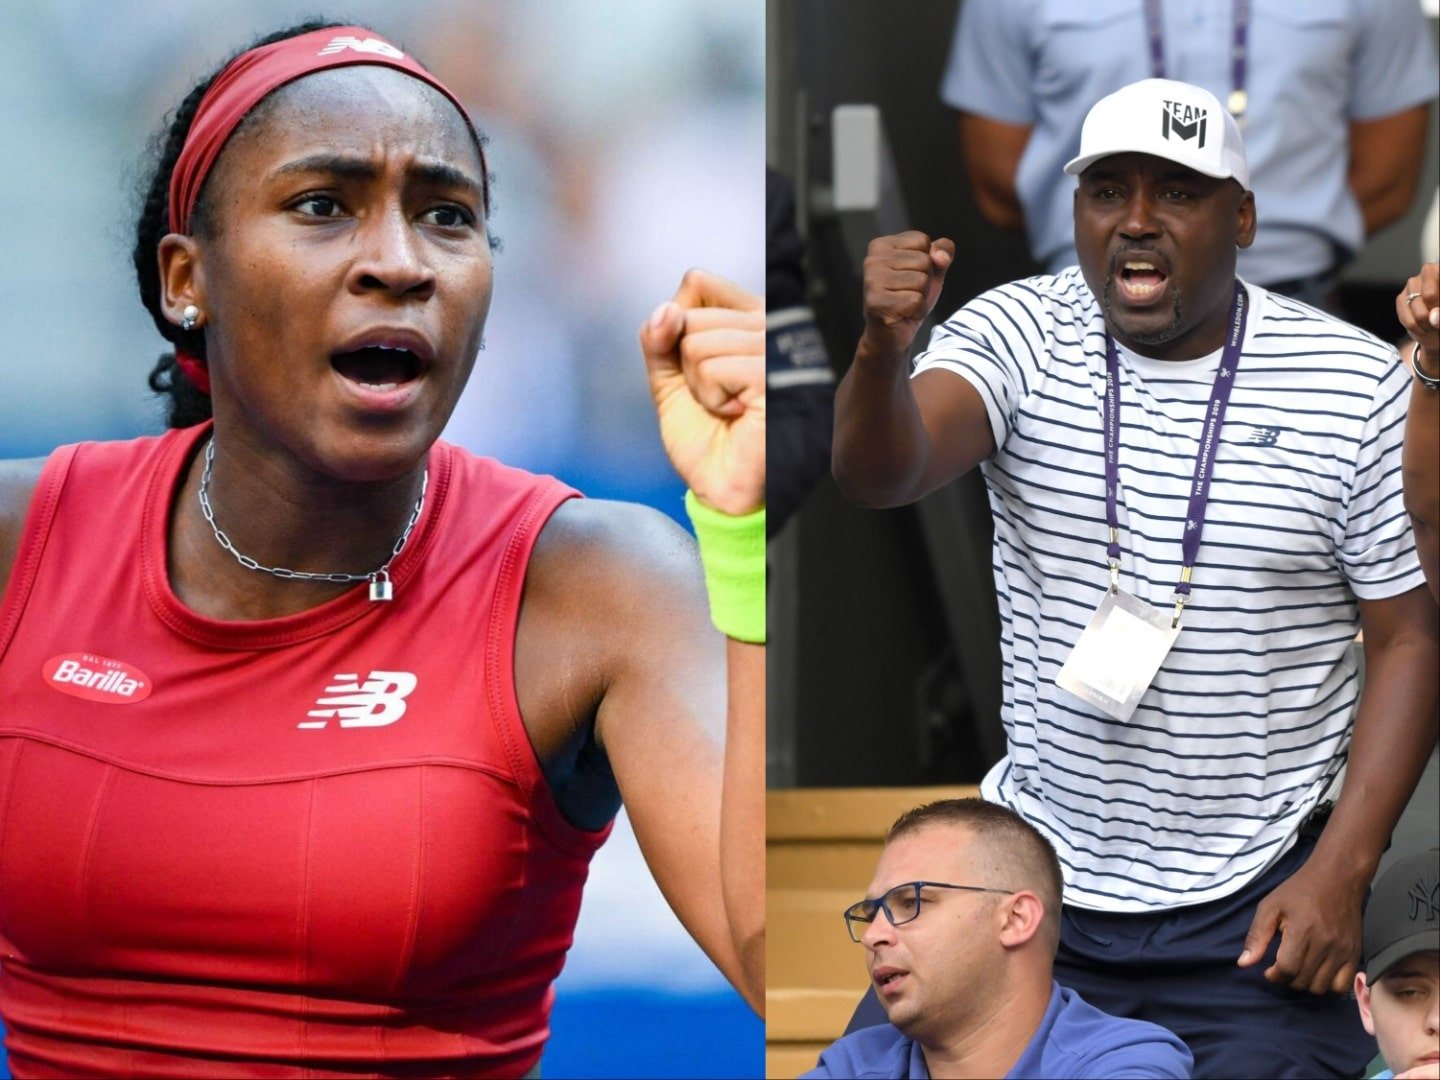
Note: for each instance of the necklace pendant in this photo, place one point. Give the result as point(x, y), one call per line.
point(380, 587)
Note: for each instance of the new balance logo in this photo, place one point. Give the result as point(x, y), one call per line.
point(1263, 436)
point(368, 45)
point(1183, 121)
point(378, 701)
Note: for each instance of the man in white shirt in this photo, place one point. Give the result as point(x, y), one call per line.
point(1191, 469)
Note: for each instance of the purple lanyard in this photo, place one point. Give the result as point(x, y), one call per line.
point(1240, 17)
point(1204, 460)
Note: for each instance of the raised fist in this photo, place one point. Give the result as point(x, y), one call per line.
point(705, 354)
point(903, 275)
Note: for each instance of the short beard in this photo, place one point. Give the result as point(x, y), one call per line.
point(1151, 337)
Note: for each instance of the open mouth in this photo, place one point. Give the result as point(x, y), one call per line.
point(378, 367)
point(888, 977)
point(1141, 279)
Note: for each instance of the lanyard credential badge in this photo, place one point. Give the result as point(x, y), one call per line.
point(1119, 652)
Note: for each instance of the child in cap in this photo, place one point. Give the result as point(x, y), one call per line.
point(1399, 989)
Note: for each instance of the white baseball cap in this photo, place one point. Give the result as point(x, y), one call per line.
point(1169, 119)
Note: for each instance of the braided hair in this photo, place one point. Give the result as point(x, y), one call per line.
point(187, 405)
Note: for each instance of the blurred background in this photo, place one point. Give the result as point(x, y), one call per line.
point(626, 141)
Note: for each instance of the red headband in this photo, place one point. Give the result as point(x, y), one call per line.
point(237, 90)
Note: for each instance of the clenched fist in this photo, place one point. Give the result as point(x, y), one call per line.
point(705, 353)
point(903, 276)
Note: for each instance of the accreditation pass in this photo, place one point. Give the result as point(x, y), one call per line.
point(1118, 654)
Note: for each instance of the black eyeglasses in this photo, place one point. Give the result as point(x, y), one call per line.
point(900, 904)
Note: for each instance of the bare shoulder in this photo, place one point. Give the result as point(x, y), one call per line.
point(17, 489)
point(617, 556)
point(614, 627)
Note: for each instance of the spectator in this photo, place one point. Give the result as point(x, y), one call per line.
point(969, 990)
point(1177, 746)
point(1399, 990)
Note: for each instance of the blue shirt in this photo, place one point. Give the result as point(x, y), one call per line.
point(1074, 1039)
point(1313, 67)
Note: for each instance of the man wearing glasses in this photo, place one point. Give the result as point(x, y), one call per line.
point(960, 931)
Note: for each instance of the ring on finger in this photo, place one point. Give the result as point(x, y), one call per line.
point(1412, 296)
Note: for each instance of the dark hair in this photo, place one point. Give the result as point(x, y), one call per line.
point(187, 406)
point(1017, 847)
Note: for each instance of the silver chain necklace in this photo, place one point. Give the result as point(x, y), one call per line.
point(380, 587)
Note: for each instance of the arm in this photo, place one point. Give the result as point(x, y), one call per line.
point(1420, 462)
point(704, 354)
point(742, 815)
point(992, 82)
point(1317, 911)
point(1421, 471)
point(1385, 159)
point(615, 610)
point(897, 439)
point(17, 486)
point(992, 151)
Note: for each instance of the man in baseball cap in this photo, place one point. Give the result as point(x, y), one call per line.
point(1399, 990)
point(1196, 491)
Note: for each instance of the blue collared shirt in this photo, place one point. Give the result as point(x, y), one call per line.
point(1074, 1039)
point(1312, 68)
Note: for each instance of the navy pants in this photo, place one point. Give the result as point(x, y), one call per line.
point(1177, 969)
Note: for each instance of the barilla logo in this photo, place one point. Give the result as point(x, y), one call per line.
point(97, 678)
point(366, 45)
point(1185, 121)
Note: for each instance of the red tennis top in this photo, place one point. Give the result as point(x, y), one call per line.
point(319, 844)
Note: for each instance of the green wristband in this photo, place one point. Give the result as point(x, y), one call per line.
point(732, 550)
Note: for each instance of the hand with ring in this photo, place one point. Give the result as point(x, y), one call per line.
point(1418, 307)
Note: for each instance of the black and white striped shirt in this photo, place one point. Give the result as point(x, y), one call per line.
point(1248, 720)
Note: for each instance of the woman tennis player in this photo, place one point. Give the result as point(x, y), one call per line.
point(309, 722)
